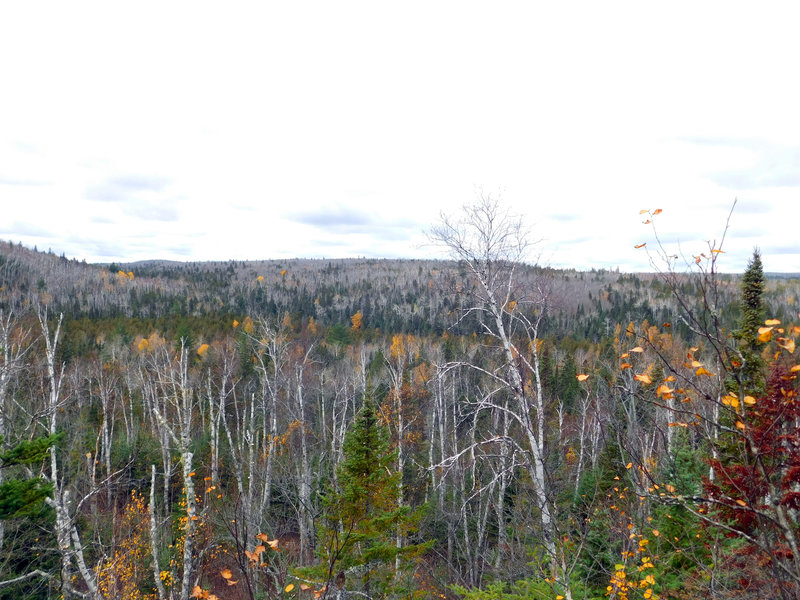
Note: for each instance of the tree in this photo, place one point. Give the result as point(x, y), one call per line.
point(739, 402)
point(748, 369)
point(362, 516)
point(490, 243)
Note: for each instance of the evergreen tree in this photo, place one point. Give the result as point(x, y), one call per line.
point(748, 371)
point(357, 538)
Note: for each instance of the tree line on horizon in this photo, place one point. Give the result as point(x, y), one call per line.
point(478, 428)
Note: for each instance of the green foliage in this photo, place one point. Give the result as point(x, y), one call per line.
point(749, 375)
point(23, 497)
point(30, 452)
point(523, 589)
point(362, 516)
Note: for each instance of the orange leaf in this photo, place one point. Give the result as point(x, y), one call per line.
point(764, 334)
point(663, 390)
point(795, 369)
point(696, 364)
point(582, 377)
point(262, 536)
point(741, 503)
point(226, 573)
point(739, 425)
point(718, 252)
point(787, 344)
point(644, 378)
point(273, 544)
point(637, 246)
point(772, 322)
point(629, 465)
point(626, 355)
point(624, 366)
point(749, 400)
point(305, 586)
point(289, 588)
point(670, 378)
point(657, 211)
point(231, 581)
point(197, 592)
point(702, 371)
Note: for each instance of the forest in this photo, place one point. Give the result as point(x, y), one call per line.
point(480, 428)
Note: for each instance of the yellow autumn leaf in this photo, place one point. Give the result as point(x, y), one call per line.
point(582, 377)
point(235, 323)
point(741, 503)
point(670, 488)
point(644, 378)
point(787, 344)
point(202, 349)
point(648, 593)
point(727, 399)
point(260, 278)
point(289, 588)
point(624, 366)
point(764, 334)
point(772, 322)
point(702, 371)
point(795, 369)
point(629, 465)
point(749, 400)
point(637, 349)
point(305, 586)
point(740, 425)
point(226, 573)
point(664, 390)
point(696, 364)
point(626, 355)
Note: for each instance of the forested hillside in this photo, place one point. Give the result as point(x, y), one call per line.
point(478, 428)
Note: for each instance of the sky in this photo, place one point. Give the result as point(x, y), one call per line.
point(267, 130)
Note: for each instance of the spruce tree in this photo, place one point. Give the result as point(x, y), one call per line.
point(357, 537)
point(748, 371)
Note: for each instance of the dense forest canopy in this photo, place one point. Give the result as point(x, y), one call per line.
point(480, 427)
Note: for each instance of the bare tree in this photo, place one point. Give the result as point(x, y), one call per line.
point(492, 243)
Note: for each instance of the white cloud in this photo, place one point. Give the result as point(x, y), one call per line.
point(214, 127)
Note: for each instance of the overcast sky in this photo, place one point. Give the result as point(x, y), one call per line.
point(200, 131)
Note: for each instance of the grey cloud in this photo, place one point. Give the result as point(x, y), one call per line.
point(345, 220)
point(122, 188)
point(776, 166)
point(328, 218)
point(151, 211)
point(563, 218)
point(30, 229)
